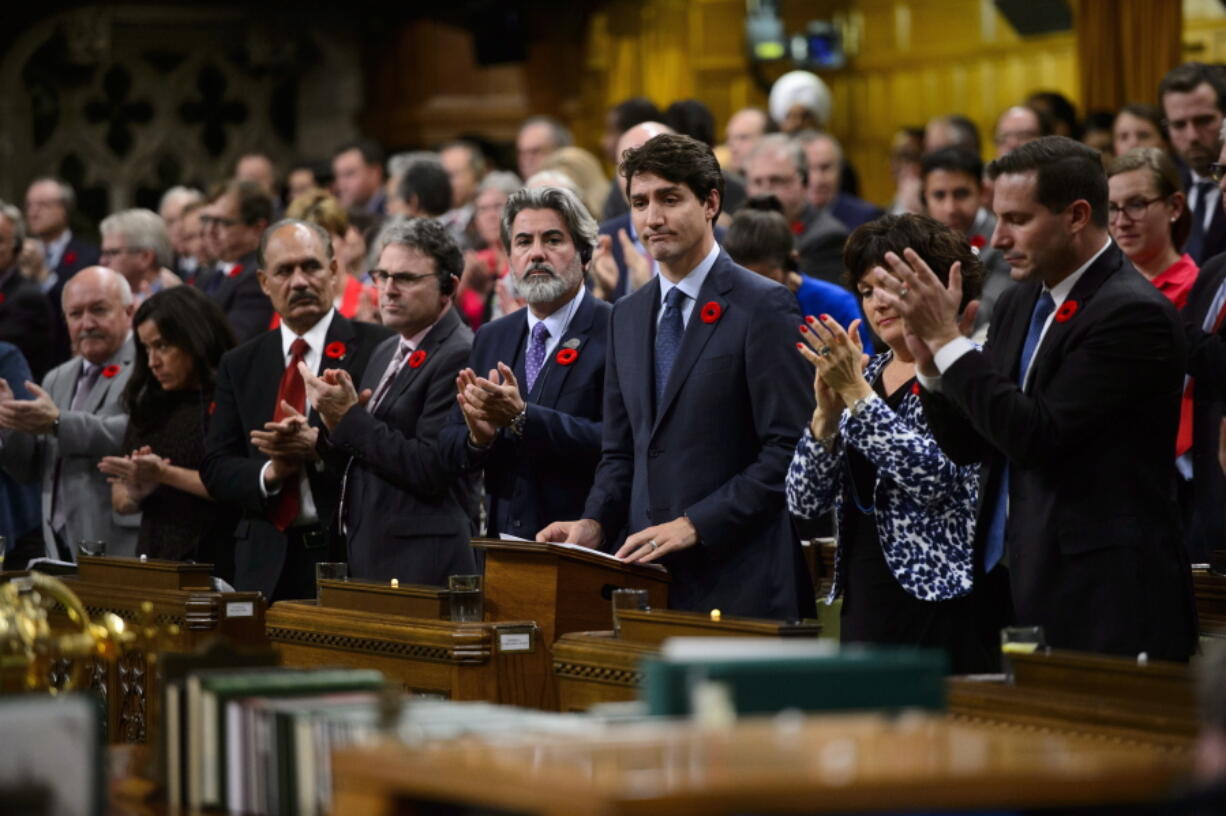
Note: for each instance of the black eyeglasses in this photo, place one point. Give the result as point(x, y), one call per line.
point(1133, 209)
point(1217, 171)
point(402, 280)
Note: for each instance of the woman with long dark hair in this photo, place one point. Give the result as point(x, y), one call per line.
point(181, 334)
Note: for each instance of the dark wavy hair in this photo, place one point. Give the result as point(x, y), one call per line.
point(939, 246)
point(679, 159)
point(189, 320)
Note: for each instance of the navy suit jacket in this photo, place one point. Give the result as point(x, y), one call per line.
point(853, 211)
point(406, 515)
point(246, 394)
point(1205, 522)
point(718, 447)
point(546, 475)
point(246, 306)
point(1215, 236)
point(1093, 540)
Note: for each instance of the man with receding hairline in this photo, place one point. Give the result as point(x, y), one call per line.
point(75, 419)
point(261, 447)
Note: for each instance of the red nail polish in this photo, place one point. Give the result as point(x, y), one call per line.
point(800, 346)
point(804, 330)
point(825, 317)
point(811, 319)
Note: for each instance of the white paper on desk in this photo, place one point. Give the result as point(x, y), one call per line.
point(579, 548)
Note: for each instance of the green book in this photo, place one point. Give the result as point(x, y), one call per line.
point(759, 682)
point(208, 693)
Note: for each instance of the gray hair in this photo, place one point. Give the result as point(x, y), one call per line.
point(808, 137)
point(503, 180)
point(188, 195)
point(780, 143)
point(13, 214)
point(68, 196)
point(579, 222)
point(429, 237)
point(141, 229)
point(325, 240)
point(562, 136)
point(399, 163)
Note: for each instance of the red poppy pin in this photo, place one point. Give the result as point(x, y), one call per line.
point(70, 257)
point(212, 408)
point(1067, 310)
point(336, 350)
point(417, 358)
point(978, 241)
point(711, 312)
point(110, 371)
point(236, 271)
point(566, 356)
point(915, 389)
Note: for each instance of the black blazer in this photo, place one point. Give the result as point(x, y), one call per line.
point(406, 515)
point(1205, 519)
point(546, 475)
point(1093, 540)
point(246, 306)
point(1215, 236)
point(245, 397)
point(611, 228)
point(26, 321)
point(718, 448)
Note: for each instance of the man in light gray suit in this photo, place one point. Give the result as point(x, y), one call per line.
point(76, 418)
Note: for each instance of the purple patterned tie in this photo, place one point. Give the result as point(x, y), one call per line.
point(535, 360)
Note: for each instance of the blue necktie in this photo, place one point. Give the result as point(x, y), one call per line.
point(1195, 245)
point(994, 548)
point(668, 339)
point(535, 359)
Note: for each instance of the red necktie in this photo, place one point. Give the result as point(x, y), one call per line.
point(292, 390)
point(1183, 441)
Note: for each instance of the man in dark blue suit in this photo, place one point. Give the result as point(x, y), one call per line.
point(533, 424)
point(703, 406)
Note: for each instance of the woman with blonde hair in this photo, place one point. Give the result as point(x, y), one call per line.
point(585, 171)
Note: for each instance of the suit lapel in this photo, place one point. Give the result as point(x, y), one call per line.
point(104, 384)
point(553, 376)
point(697, 332)
point(518, 362)
point(264, 389)
point(1007, 342)
point(641, 323)
point(435, 338)
point(1083, 291)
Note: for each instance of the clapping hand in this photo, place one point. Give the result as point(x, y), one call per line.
point(929, 308)
point(36, 416)
point(480, 430)
point(332, 394)
point(140, 472)
point(494, 399)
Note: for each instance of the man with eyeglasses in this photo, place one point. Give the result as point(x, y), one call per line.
point(1193, 99)
point(136, 244)
point(405, 512)
point(261, 449)
point(233, 222)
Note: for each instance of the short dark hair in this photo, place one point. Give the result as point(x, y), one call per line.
point(1058, 107)
point(254, 204)
point(428, 237)
point(187, 319)
point(1190, 76)
point(952, 160)
point(1066, 170)
point(940, 247)
point(1150, 113)
point(428, 181)
point(371, 152)
point(679, 159)
point(634, 111)
point(760, 232)
point(692, 118)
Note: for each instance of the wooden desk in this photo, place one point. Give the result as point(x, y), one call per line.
point(597, 667)
point(855, 763)
point(1210, 589)
point(458, 661)
point(179, 594)
point(1106, 698)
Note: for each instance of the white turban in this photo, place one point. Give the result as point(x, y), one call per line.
point(801, 88)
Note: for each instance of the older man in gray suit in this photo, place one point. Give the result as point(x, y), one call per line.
point(76, 418)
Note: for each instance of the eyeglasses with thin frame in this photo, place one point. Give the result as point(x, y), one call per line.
point(402, 280)
point(1133, 209)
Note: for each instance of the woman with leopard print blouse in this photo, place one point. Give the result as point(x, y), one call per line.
point(905, 513)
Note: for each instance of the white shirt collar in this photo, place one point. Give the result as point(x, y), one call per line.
point(54, 250)
point(557, 323)
point(691, 284)
point(1060, 292)
point(315, 336)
